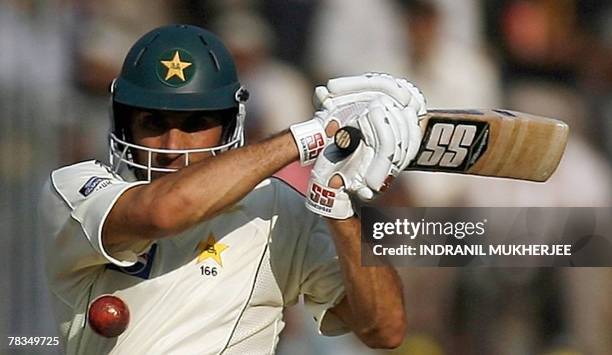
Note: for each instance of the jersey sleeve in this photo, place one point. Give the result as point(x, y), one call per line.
point(88, 190)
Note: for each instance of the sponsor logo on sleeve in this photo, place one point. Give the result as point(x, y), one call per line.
point(95, 183)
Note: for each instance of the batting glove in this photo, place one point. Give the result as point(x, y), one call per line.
point(342, 100)
point(391, 137)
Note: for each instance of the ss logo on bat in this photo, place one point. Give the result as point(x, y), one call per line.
point(452, 146)
point(447, 145)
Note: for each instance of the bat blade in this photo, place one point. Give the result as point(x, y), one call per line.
point(496, 143)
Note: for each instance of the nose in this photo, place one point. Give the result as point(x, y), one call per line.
point(173, 138)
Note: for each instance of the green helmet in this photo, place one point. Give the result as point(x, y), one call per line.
point(176, 68)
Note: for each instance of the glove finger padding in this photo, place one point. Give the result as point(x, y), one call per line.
point(394, 135)
point(401, 131)
point(401, 90)
point(417, 101)
point(383, 140)
point(323, 99)
point(345, 108)
point(407, 124)
point(383, 84)
point(416, 136)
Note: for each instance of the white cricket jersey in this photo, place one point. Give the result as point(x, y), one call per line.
point(219, 287)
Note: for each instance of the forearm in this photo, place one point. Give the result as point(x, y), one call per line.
point(373, 294)
point(201, 191)
point(198, 192)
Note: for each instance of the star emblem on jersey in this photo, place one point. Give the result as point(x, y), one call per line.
point(210, 249)
point(175, 67)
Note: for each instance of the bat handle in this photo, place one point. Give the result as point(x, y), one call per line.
point(347, 139)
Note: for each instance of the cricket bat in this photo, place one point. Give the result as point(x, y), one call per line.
point(497, 143)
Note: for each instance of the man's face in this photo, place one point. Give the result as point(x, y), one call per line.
point(173, 130)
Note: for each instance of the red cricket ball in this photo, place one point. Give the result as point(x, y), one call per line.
point(108, 316)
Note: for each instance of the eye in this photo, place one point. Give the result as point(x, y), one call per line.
point(154, 123)
point(199, 123)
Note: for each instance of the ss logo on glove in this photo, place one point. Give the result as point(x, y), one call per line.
point(321, 196)
point(315, 144)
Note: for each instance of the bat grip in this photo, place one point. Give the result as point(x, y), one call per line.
point(347, 139)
